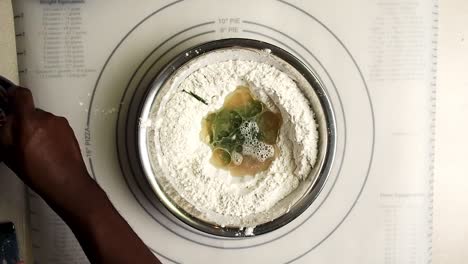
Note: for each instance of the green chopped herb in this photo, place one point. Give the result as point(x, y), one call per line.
point(196, 96)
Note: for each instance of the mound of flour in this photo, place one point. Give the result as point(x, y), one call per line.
point(213, 194)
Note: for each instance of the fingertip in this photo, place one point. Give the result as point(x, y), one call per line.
point(6, 132)
point(6, 84)
point(21, 100)
point(11, 91)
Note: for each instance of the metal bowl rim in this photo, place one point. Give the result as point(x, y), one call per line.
point(185, 57)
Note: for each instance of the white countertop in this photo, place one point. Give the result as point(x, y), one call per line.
point(12, 198)
point(451, 178)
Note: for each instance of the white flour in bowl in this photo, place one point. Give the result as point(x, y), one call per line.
point(212, 194)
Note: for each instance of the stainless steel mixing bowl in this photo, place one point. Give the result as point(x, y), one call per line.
point(240, 49)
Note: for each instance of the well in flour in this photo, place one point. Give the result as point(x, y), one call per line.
point(242, 134)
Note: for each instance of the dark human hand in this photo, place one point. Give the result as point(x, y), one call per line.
point(41, 149)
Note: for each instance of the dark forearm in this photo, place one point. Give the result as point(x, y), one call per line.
point(101, 231)
point(42, 150)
